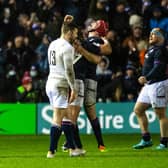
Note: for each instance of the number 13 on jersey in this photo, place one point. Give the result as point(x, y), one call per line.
point(52, 57)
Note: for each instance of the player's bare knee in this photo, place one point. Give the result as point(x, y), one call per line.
point(138, 111)
point(160, 112)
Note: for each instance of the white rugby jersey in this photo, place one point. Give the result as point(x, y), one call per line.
point(60, 59)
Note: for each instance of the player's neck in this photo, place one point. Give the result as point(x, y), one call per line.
point(65, 37)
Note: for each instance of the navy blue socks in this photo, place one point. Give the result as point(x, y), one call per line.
point(55, 132)
point(77, 139)
point(164, 140)
point(68, 131)
point(97, 131)
point(146, 136)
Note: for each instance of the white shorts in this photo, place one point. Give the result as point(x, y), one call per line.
point(80, 90)
point(155, 94)
point(58, 96)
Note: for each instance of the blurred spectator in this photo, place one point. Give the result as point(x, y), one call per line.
point(98, 10)
point(2, 61)
point(119, 21)
point(75, 8)
point(11, 84)
point(130, 84)
point(133, 7)
point(2, 73)
point(145, 5)
point(158, 19)
point(7, 26)
point(113, 90)
point(103, 75)
point(135, 46)
point(35, 35)
point(164, 4)
point(116, 59)
point(38, 83)
point(25, 6)
point(20, 56)
point(53, 28)
point(42, 51)
point(21, 25)
point(25, 92)
point(48, 8)
point(135, 20)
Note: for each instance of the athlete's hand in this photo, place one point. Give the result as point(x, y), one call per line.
point(142, 80)
point(68, 19)
point(28, 87)
point(77, 46)
point(73, 96)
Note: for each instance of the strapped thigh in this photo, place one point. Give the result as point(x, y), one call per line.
point(90, 92)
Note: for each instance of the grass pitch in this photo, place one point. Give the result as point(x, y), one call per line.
point(30, 152)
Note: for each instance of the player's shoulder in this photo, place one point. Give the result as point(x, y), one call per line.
point(54, 42)
point(67, 47)
point(60, 42)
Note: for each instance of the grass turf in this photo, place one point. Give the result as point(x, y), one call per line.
point(30, 152)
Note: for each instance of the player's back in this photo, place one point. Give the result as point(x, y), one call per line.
point(60, 52)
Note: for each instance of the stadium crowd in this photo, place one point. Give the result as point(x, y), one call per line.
point(28, 26)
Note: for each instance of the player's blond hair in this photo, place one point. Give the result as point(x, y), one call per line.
point(68, 27)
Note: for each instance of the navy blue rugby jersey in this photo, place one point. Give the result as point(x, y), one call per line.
point(155, 65)
point(80, 68)
point(83, 68)
point(93, 45)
